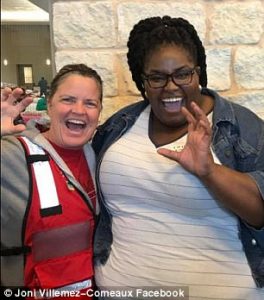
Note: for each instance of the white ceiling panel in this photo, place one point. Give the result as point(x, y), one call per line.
point(23, 11)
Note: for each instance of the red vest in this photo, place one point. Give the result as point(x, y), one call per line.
point(58, 227)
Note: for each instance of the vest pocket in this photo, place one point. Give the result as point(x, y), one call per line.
point(58, 242)
point(64, 271)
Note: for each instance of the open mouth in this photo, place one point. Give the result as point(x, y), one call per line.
point(173, 104)
point(73, 124)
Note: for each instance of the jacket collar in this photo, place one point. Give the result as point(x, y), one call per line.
point(223, 110)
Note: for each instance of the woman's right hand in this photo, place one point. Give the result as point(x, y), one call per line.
point(196, 156)
point(11, 107)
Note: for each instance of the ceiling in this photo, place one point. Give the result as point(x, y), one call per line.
point(24, 11)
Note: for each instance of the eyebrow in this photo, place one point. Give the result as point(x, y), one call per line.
point(174, 71)
point(73, 98)
point(68, 96)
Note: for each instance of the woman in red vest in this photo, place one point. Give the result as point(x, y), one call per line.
point(49, 204)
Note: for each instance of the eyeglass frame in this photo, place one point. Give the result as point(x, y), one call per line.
point(145, 77)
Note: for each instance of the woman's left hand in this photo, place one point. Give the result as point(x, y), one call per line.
point(196, 156)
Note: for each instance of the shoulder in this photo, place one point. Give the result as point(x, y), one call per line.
point(128, 112)
point(90, 156)
point(117, 124)
point(235, 113)
point(239, 124)
point(13, 163)
point(10, 146)
point(246, 118)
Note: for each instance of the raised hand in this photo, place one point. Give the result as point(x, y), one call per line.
point(11, 108)
point(196, 157)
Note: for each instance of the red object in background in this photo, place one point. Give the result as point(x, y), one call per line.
point(29, 116)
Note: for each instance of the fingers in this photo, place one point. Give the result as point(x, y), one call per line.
point(12, 129)
point(14, 98)
point(17, 92)
point(196, 120)
point(203, 124)
point(19, 128)
point(11, 96)
point(190, 119)
point(24, 103)
point(204, 127)
point(199, 113)
point(169, 153)
point(5, 93)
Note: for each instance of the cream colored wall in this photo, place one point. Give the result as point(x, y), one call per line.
point(25, 44)
point(95, 32)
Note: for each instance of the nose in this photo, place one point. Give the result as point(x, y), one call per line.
point(171, 85)
point(78, 107)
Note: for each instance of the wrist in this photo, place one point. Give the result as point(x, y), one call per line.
point(209, 175)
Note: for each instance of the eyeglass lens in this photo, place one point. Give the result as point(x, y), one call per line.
point(161, 80)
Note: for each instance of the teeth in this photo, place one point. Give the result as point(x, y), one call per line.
point(79, 122)
point(172, 100)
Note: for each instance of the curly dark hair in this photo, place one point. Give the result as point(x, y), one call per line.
point(152, 32)
point(80, 69)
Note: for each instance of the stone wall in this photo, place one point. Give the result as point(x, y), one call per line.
point(95, 32)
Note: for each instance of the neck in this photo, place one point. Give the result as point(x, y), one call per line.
point(48, 136)
point(161, 134)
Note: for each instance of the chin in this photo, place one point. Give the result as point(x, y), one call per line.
point(174, 122)
point(74, 144)
point(74, 147)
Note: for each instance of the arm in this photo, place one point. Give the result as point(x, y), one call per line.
point(14, 200)
point(10, 109)
point(236, 190)
point(239, 192)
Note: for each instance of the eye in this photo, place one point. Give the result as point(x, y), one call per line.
point(182, 75)
point(157, 77)
point(68, 100)
point(91, 103)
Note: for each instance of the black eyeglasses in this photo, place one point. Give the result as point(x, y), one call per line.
point(160, 80)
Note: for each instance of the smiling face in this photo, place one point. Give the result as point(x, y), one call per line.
point(166, 102)
point(74, 111)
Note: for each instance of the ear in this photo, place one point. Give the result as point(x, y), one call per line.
point(198, 70)
point(48, 105)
